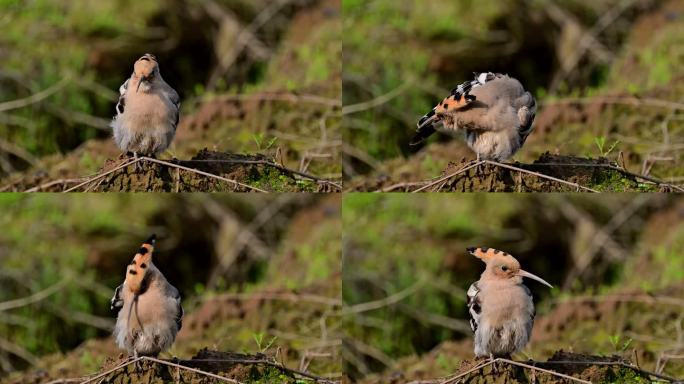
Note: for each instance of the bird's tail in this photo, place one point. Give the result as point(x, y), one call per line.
point(426, 127)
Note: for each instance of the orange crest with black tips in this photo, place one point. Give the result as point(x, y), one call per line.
point(142, 261)
point(500, 263)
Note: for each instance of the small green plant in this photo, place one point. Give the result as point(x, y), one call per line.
point(259, 139)
point(259, 340)
point(619, 344)
point(601, 144)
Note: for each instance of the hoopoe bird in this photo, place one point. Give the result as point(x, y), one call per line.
point(494, 111)
point(149, 308)
point(148, 110)
point(500, 305)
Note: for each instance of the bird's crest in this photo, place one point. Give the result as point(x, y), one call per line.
point(486, 254)
point(142, 261)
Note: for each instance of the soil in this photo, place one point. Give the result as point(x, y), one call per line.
point(578, 173)
point(596, 369)
point(252, 172)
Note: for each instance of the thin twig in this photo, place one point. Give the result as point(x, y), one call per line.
point(619, 363)
point(311, 99)
point(553, 373)
point(105, 373)
point(623, 100)
point(450, 176)
point(302, 297)
point(159, 361)
point(51, 183)
point(126, 164)
point(20, 103)
point(382, 99)
point(34, 298)
point(265, 362)
point(236, 183)
point(265, 162)
point(387, 301)
point(543, 176)
point(612, 167)
point(476, 368)
point(242, 39)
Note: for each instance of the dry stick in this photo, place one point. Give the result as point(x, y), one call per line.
point(316, 299)
point(51, 183)
point(540, 175)
point(384, 302)
point(126, 164)
point(622, 170)
point(237, 183)
point(36, 297)
point(158, 361)
point(620, 363)
point(269, 163)
point(543, 370)
point(449, 176)
point(477, 367)
point(376, 102)
point(266, 362)
point(622, 100)
point(103, 374)
point(312, 99)
point(401, 185)
point(20, 103)
point(553, 373)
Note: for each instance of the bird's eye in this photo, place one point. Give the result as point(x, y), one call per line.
point(504, 268)
point(143, 265)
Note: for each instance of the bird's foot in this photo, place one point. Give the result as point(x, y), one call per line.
point(480, 164)
point(495, 369)
point(138, 163)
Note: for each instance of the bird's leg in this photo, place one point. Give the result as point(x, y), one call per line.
point(138, 166)
point(494, 368)
point(138, 363)
point(480, 167)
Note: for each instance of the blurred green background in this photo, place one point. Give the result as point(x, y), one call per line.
point(62, 63)
point(402, 57)
point(62, 256)
point(610, 258)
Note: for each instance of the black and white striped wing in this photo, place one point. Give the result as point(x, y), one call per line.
point(121, 104)
point(175, 99)
point(173, 294)
point(117, 301)
point(474, 305)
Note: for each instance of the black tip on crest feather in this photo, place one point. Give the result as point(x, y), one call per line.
point(151, 240)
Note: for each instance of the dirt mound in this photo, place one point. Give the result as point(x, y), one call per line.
point(562, 367)
point(206, 366)
point(207, 171)
point(549, 173)
point(595, 369)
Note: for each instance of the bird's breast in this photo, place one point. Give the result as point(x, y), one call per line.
point(502, 303)
point(146, 109)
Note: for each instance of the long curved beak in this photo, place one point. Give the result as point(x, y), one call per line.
point(533, 277)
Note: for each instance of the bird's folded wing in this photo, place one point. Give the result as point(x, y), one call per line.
point(120, 105)
point(474, 305)
point(117, 300)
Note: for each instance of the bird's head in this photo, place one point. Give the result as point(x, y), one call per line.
point(501, 265)
point(145, 69)
point(139, 268)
